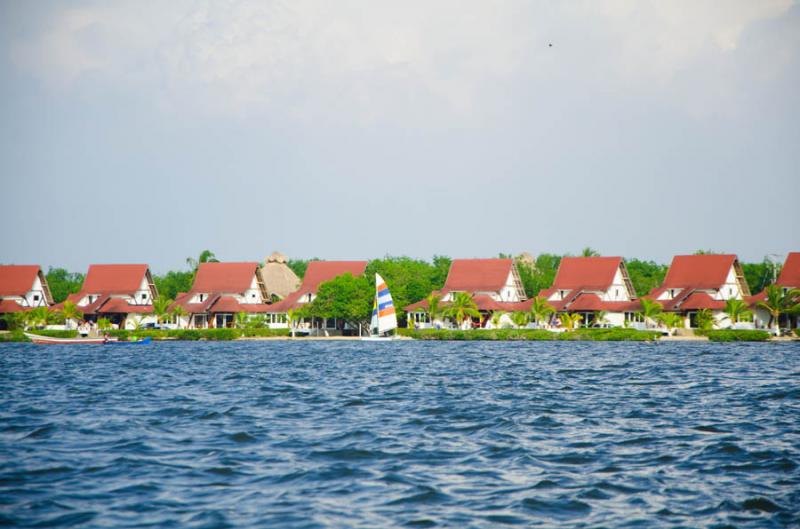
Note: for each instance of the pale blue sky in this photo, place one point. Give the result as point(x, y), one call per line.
point(148, 131)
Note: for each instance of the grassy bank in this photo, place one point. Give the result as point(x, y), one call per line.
point(731, 335)
point(604, 335)
point(200, 334)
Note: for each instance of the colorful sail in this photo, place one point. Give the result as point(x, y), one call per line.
point(383, 308)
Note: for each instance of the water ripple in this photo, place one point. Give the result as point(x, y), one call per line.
point(345, 434)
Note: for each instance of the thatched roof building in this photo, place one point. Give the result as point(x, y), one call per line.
point(279, 279)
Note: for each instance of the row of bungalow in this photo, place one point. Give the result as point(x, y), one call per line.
point(590, 286)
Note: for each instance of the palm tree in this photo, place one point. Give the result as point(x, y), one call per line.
point(434, 308)
point(737, 310)
point(161, 309)
point(37, 317)
point(599, 317)
point(589, 252)
point(569, 321)
point(462, 307)
point(496, 317)
point(779, 302)
point(179, 312)
point(70, 312)
point(206, 256)
point(241, 319)
point(541, 309)
point(520, 319)
point(650, 310)
point(293, 316)
point(670, 320)
point(704, 319)
point(135, 321)
point(103, 324)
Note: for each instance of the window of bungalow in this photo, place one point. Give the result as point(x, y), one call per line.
point(200, 297)
point(616, 293)
point(633, 317)
point(36, 297)
point(144, 297)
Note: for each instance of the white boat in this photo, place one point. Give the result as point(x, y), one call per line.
point(384, 317)
point(50, 340)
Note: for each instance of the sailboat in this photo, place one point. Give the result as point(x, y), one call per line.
point(384, 318)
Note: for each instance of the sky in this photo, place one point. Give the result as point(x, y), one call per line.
point(148, 131)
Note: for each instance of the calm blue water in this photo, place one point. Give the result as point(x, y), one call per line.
point(345, 434)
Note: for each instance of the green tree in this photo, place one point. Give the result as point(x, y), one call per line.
point(570, 321)
point(461, 308)
point(409, 280)
point(600, 317)
point(173, 283)
point(520, 319)
point(161, 308)
point(206, 256)
point(442, 265)
point(541, 310)
point(760, 275)
point(670, 320)
point(63, 283)
point(650, 310)
point(589, 252)
point(645, 275)
point(103, 324)
point(178, 312)
point(345, 297)
point(737, 310)
point(38, 317)
point(71, 313)
point(779, 302)
point(704, 319)
point(496, 317)
point(293, 317)
point(434, 308)
point(241, 319)
point(299, 266)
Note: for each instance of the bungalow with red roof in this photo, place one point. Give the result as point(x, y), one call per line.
point(591, 286)
point(702, 281)
point(494, 284)
point(219, 292)
point(22, 288)
point(122, 293)
point(317, 273)
point(789, 278)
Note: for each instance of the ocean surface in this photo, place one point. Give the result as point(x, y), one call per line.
point(408, 434)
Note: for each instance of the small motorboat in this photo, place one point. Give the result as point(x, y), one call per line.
point(49, 340)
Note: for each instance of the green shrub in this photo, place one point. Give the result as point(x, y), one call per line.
point(13, 336)
point(221, 334)
point(530, 334)
point(264, 332)
point(733, 335)
point(613, 334)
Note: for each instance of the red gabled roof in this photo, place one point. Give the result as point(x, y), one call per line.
point(704, 271)
point(121, 306)
point(790, 275)
point(17, 280)
point(321, 271)
point(114, 279)
point(478, 275)
point(9, 305)
point(229, 304)
point(227, 278)
point(588, 273)
point(701, 300)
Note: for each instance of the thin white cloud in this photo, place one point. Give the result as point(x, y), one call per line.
point(240, 57)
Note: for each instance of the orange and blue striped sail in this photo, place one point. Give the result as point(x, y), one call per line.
point(384, 318)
